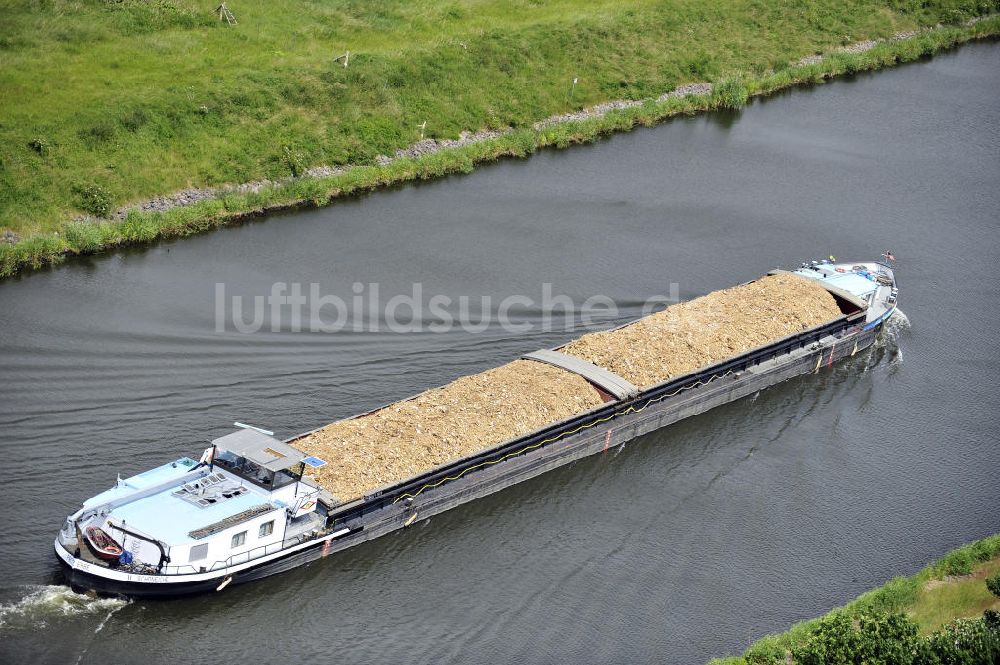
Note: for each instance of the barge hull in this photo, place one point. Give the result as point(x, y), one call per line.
point(77, 578)
point(410, 502)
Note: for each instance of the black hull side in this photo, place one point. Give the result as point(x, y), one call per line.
point(83, 581)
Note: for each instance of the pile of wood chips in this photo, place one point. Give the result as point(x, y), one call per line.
point(468, 415)
point(480, 411)
point(701, 332)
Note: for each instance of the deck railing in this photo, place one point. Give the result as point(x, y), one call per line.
point(233, 560)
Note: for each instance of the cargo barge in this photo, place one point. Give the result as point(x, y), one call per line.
point(251, 506)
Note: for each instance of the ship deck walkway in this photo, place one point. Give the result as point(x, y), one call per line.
point(600, 377)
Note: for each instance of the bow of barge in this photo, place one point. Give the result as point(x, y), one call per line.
point(249, 509)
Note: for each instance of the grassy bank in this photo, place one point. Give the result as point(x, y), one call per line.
point(115, 102)
point(923, 607)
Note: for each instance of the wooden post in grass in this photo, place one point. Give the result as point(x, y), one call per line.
point(422, 127)
point(225, 14)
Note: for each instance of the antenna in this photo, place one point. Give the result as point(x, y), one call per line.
point(256, 429)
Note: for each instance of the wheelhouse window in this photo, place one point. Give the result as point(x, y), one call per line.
point(266, 529)
point(288, 476)
point(198, 552)
point(239, 539)
point(257, 474)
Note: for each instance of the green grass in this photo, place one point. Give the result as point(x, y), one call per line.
point(108, 102)
point(950, 588)
point(938, 602)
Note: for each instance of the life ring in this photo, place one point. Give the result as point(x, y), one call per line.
point(841, 269)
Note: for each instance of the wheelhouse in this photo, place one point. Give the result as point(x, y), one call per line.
point(260, 459)
point(244, 501)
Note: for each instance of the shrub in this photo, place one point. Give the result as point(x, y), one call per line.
point(993, 584)
point(961, 642)
point(992, 620)
point(136, 228)
point(869, 638)
point(34, 252)
point(233, 202)
point(9, 260)
point(94, 199)
point(985, 549)
point(893, 596)
point(294, 162)
point(102, 132)
point(83, 237)
point(959, 562)
point(134, 120)
point(110, 233)
point(765, 652)
point(40, 145)
point(730, 93)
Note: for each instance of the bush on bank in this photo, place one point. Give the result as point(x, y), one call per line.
point(892, 639)
point(874, 629)
point(993, 584)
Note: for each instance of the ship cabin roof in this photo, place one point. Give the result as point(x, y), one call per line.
point(174, 514)
point(859, 284)
point(858, 279)
point(259, 458)
point(261, 449)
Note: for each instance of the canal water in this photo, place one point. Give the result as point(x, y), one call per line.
point(684, 545)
